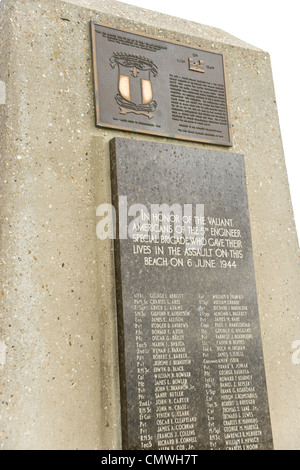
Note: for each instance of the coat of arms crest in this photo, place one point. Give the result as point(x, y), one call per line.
point(135, 92)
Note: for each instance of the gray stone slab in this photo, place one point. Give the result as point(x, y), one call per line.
point(191, 359)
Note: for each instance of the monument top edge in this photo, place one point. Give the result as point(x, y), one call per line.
point(152, 19)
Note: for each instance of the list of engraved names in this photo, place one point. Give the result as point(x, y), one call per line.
point(166, 360)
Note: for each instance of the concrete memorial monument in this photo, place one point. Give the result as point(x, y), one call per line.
point(188, 339)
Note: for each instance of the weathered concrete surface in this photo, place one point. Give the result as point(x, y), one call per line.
point(59, 385)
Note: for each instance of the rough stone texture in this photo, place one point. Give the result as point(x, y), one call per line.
point(59, 386)
point(160, 23)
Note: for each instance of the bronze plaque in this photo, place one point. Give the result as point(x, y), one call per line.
point(153, 86)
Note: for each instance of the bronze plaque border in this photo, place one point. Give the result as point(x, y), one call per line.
point(96, 68)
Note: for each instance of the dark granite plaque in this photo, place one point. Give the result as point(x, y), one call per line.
point(153, 86)
point(191, 359)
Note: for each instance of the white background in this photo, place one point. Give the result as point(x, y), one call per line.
point(270, 25)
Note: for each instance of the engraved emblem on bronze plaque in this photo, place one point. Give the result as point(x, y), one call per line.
point(153, 86)
point(135, 93)
point(196, 65)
